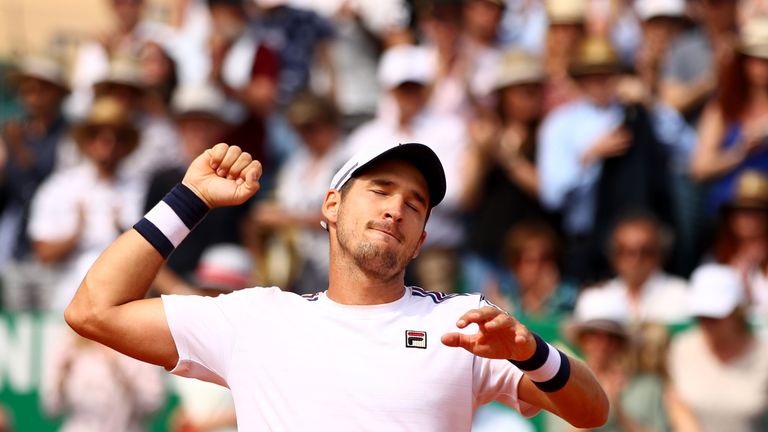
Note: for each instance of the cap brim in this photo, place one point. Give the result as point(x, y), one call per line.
point(424, 159)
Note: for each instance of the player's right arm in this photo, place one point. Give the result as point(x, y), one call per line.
point(109, 306)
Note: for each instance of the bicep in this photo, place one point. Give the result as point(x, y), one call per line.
point(139, 329)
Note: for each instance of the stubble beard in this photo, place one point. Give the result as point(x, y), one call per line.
point(373, 260)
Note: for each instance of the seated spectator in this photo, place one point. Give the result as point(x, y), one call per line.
point(78, 211)
point(637, 250)
point(95, 388)
point(204, 406)
point(732, 131)
point(530, 286)
point(199, 114)
point(300, 187)
point(160, 78)
point(719, 369)
point(31, 144)
point(566, 28)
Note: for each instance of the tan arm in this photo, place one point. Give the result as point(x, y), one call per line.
point(709, 160)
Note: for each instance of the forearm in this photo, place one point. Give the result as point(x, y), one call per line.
point(705, 167)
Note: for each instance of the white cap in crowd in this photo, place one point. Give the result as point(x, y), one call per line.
point(647, 9)
point(716, 290)
point(202, 99)
point(406, 63)
point(598, 309)
point(225, 268)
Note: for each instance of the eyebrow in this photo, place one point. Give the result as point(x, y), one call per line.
point(384, 182)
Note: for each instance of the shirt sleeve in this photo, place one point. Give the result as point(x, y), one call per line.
point(205, 331)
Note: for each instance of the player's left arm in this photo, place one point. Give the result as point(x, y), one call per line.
point(553, 381)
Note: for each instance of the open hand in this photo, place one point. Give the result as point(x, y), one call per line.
point(500, 336)
point(223, 176)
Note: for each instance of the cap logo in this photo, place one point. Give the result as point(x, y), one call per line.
point(416, 339)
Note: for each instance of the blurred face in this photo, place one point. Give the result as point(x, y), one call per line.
point(380, 218)
point(636, 252)
point(600, 88)
point(523, 102)
point(536, 262)
point(658, 31)
point(747, 224)
point(411, 98)
point(318, 137)
point(482, 18)
point(128, 12)
point(40, 98)
point(156, 66)
point(719, 331)
point(199, 133)
point(600, 348)
point(563, 37)
point(227, 21)
point(106, 146)
point(756, 71)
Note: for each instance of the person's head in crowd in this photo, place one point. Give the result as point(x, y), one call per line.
point(599, 328)
point(596, 67)
point(637, 248)
point(158, 73)
point(199, 111)
point(566, 27)
point(531, 251)
point(228, 18)
point(661, 20)
point(717, 300)
point(224, 268)
point(481, 20)
point(41, 85)
point(406, 71)
point(128, 13)
point(440, 22)
point(743, 227)
point(746, 74)
point(123, 83)
point(316, 120)
point(107, 135)
point(519, 87)
point(719, 16)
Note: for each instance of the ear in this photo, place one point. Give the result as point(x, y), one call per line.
point(330, 206)
point(418, 246)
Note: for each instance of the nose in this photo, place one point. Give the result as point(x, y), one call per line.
point(394, 208)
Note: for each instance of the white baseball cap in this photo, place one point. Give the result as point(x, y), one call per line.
point(224, 267)
point(647, 9)
point(716, 290)
point(203, 99)
point(600, 309)
point(420, 155)
point(406, 63)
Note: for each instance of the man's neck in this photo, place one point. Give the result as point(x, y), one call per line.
point(350, 285)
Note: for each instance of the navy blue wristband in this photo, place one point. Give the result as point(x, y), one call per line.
point(548, 368)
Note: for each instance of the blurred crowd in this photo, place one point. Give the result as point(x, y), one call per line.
point(606, 163)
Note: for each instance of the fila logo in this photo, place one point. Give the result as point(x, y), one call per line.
point(416, 339)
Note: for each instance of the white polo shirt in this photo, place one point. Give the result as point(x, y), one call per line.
point(307, 363)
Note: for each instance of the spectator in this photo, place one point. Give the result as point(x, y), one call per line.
point(125, 40)
point(203, 406)
point(567, 27)
point(720, 368)
point(531, 287)
point(301, 37)
point(638, 247)
point(160, 78)
point(32, 144)
point(78, 211)
point(732, 132)
point(599, 158)
point(97, 389)
point(300, 187)
point(405, 71)
point(200, 115)
point(480, 44)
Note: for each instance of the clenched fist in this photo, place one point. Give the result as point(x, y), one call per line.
point(223, 176)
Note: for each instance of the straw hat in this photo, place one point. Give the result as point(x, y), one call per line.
point(750, 192)
point(123, 71)
point(595, 55)
point(566, 11)
point(518, 67)
point(107, 112)
point(753, 37)
point(42, 68)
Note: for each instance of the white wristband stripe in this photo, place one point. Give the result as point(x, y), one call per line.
point(168, 222)
point(549, 369)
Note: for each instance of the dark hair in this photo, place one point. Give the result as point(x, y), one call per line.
point(733, 88)
point(525, 231)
